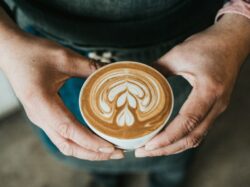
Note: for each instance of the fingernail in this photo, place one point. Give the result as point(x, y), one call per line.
point(106, 149)
point(116, 156)
point(139, 155)
point(150, 147)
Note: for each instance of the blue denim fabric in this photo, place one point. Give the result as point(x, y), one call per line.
point(165, 170)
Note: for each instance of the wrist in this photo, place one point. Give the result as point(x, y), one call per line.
point(234, 31)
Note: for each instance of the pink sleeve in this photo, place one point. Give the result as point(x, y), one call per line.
point(241, 7)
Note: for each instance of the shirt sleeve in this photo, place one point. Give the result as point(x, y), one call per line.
point(6, 9)
point(241, 7)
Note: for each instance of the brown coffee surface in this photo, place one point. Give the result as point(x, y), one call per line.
point(126, 100)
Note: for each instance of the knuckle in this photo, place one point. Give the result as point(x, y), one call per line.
point(220, 91)
point(98, 156)
point(211, 94)
point(169, 140)
point(219, 87)
point(215, 88)
point(223, 106)
point(31, 111)
point(31, 115)
point(66, 149)
point(31, 99)
point(190, 122)
point(29, 96)
point(192, 141)
point(65, 130)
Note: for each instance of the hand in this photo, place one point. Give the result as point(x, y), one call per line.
point(210, 61)
point(36, 69)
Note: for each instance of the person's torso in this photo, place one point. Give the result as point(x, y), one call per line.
point(111, 10)
point(119, 23)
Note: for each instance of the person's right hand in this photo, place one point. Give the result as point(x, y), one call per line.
point(36, 69)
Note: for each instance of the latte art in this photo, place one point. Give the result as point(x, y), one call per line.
point(126, 95)
point(126, 100)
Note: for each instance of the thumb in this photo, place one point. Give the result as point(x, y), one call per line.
point(78, 65)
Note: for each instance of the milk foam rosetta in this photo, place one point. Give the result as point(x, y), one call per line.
point(126, 100)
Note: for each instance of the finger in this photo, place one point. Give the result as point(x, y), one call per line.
point(192, 113)
point(192, 140)
point(69, 148)
point(63, 122)
point(188, 142)
point(77, 65)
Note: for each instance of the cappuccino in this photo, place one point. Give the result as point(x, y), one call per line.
point(126, 100)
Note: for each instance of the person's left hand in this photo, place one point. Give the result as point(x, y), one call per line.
point(210, 61)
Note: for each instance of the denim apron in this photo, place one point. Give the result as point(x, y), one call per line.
point(70, 93)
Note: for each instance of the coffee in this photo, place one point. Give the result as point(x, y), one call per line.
point(126, 100)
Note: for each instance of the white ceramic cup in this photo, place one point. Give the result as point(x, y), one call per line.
point(127, 144)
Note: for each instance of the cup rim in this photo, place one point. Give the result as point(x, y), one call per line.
point(123, 62)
